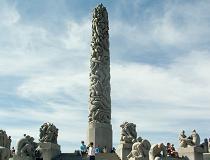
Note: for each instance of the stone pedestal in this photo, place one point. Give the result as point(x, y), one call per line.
point(191, 153)
point(206, 156)
point(123, 150)
point(4, 153)
point(100, 134)
point(49, 150)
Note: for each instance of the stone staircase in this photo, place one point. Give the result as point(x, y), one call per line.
point(107, 156)
point(68, 156)
point(101, 156)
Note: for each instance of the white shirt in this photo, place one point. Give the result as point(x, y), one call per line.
point(91, 151)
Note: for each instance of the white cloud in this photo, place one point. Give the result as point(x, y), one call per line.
point(8, 14)
point(77, 36)
point(181, 83)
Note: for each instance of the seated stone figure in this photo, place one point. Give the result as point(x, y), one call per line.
point(157, 152)
point(128, 133)
point(5, 143)
point(193, 140)
point(140, 150)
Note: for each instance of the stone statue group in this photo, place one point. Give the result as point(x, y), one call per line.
point(143, 150)
point(27, 149)
point(5, 143)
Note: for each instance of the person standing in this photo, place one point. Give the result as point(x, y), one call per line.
point(83, 149)
point(91, 152)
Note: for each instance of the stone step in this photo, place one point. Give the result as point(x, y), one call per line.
point(69, 156)
point(107, 156)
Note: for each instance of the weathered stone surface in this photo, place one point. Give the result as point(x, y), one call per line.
point(26, 148)
point(128, 137)
point(128, 132)
point(5, 143)
point(206, 156)
point(140, 150)
point(48, 133)
point(193, 140)
point(4, 153)
point(157, 152)
point(100, 100)
point(100, 134)
point(191, 153)
point(49, 150)
point(123, 150)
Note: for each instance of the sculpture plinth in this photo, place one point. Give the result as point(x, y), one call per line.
point(100, 134)
point(128, 135)
point(123, 150)
point(191, 153)
point(49, 150)
point(99, 128)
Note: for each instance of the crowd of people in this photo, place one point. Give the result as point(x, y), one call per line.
point(90, 151)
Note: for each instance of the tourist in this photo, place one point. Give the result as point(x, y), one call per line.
point(104, 149)
point(97, 149)
point(174, 153)
point(168, 149)
point(13, 151)
point(83, 149)
point(91, 152)
point(113, 150)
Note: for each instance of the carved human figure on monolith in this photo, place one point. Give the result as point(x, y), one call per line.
point(100, 100)
point(128, 132)
point(48, 133)
point(5, 143)
point(140, 150)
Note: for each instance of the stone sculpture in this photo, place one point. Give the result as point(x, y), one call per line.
point(100, 100)
point(140, 150)
point(157, 152)
point(128, 132)
point(5, 143)
point(26, 148)
point(193, 140)
point(48, 133)
point(99, 117)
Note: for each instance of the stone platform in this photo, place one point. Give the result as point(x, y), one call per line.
point(123, 150)
point(206, 156)
point(191, 153)
point(49, 150)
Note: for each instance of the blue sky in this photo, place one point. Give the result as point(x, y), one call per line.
point(160, 56)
